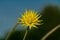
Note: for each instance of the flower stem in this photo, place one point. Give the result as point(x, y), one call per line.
point(50, 32)
point(11, 31)
point(26, 33)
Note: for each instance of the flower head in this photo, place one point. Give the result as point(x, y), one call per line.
point(30, 18)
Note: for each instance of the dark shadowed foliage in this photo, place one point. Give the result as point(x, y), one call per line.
point(16, 35)
point(51, 18)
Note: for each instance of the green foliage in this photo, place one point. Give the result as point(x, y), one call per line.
point(16, 35)
point(51, 18)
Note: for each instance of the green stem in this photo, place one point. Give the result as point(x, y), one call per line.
point(11, 31)
point(26, 33)
point(50, 32)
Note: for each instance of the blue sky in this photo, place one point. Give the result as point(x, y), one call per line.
point(10, 10)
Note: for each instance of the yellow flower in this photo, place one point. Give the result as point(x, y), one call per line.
point(30, 18)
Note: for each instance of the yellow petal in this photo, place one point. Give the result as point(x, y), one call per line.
point(35, 26)
point(39, 20)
